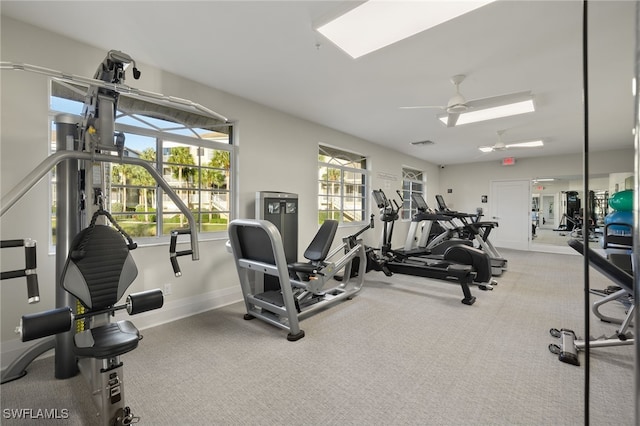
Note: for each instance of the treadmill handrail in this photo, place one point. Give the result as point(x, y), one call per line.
point(51, 161)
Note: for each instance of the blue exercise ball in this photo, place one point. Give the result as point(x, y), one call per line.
point(622, 217)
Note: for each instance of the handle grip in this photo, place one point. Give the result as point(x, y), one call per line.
point(33, 291)
point(30, 265)
point(173, 254)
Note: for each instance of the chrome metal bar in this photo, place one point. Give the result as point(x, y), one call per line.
point(120, 88)
point(636, 217)
point(48, 163)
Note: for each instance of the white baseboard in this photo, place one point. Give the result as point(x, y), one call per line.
point(172, 310)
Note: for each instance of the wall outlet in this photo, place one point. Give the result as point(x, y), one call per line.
point(167, 289)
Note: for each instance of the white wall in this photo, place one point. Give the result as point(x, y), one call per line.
point(469, 182)
point(277, 152)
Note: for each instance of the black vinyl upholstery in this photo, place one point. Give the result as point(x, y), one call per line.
point(108, 340)
point(321, 243)
point(318, 249)
point(98, 271)
point(102, 272)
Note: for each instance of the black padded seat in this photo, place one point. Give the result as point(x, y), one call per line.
point(107, 341)
point(318, 249)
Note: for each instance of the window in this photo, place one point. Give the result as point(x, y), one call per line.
point(194, 158)
point(342, 185)
point(412, 183)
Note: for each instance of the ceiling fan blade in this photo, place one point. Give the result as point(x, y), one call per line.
point(499, 100)
point(422, 107)
point(452, 119)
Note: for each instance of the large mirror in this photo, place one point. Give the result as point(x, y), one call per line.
point(556, 203)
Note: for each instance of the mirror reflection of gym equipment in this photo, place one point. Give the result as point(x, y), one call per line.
point(549, 204)
point(93, 264)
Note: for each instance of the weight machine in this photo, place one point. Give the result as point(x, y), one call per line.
point(304, 287)
point(83, 146)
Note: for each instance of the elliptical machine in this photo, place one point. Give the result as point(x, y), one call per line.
point(459, 263)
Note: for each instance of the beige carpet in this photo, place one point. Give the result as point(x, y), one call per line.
point(404, 351)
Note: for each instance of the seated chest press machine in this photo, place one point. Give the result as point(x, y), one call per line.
point(257, 249)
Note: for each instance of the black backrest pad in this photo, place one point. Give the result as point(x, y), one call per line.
point(319, 247)
point(100, 277)
point(255, 244)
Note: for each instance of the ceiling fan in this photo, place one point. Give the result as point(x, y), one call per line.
point(501, 146)
point(457, 104)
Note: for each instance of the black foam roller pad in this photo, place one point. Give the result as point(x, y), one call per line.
point(46, 323)
point(145, 301)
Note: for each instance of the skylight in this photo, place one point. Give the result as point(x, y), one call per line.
point(379, 23)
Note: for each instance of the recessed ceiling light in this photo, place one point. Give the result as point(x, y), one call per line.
point(379, 23)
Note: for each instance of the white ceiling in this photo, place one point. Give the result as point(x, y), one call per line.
point(268, 52)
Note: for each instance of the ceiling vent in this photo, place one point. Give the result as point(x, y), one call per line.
point(421, 143)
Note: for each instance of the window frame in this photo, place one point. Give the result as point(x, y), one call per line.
point(338, 159)
point(411, 176)
point(162, 139)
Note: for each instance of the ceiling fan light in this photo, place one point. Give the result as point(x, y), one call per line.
point(507, 110)
point(485, 148)
point(528, 144)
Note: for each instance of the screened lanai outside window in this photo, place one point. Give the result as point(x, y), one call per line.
point(342, 187)
point(412, 183)
point(195, 162)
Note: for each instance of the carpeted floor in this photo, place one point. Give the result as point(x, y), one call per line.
point(404, 351)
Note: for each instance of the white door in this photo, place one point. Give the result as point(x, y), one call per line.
point(510, 203)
